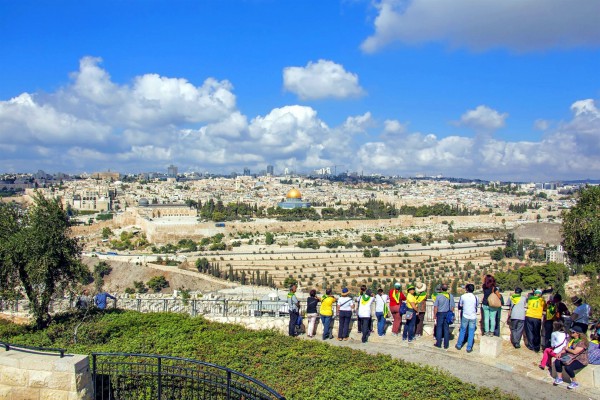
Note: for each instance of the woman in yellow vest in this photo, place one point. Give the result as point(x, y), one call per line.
point(533, 320)
point(326, 311)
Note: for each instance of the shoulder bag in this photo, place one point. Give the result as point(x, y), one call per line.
point(494, 300)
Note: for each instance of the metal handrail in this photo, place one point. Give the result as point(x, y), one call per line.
point(12, 346)
point(161, 367)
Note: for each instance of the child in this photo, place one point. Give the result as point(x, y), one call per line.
point(558, 341)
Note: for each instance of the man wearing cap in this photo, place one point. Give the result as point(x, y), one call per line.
point(444, 303)
point(411, 314)
point(294, 309)
point(396, 299)
point(516, 317)
point(533, 320)
point(421, 295)
point(468, 304)
point(581, 314)
point(364, 313)
point(345, 305)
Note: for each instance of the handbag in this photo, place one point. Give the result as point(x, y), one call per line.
point(567, 359)
point(409, 314)
point(494, 300)
point(450, 317)
point(403, 308)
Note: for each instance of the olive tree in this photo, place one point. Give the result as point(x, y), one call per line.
point(37, 255)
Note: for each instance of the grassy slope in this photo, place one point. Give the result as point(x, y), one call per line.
point(296, 368)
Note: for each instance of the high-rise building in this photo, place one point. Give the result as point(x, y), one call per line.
point(172, 171)
point(270, 170)
point(246, 171)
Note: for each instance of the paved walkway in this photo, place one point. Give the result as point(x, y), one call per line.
point(515, 371)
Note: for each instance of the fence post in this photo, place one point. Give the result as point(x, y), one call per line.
point(94, 375)
point(165, 305)
point(139, 305)
point(225, 304)
point(228, 383)
point(159, 378)
point(193, 308)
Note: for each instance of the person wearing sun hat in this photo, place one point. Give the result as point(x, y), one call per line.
point(411, 314)
point(421, 295)
point(572, 358)
point(396, 298)
point(345, 305)
point(533, 320)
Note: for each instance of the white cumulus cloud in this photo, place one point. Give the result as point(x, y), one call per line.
point(486, 24)
point(483, 118)
point(321, 79)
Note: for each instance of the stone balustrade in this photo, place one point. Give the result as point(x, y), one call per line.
point(34, 375)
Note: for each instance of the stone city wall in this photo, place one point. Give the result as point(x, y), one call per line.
point(25, 375)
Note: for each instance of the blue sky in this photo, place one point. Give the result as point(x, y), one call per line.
point(480, 89)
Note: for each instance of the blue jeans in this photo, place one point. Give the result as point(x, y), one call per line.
point(409, 327)
point(380, 323)
point(442, 330)
point(489, 319)
point(326, 321)
point(467, 327)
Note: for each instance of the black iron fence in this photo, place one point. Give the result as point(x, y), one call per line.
point(118, 376)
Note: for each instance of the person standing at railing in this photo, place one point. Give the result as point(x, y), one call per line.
point(311, 312)
point(326, 311)
point(421, 295)
point(345, 306)
point(396, 298)
point(83, 301)
point(100, 300)
point(294, 310)
point(382, 309)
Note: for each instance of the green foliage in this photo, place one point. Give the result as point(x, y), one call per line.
point(289, 281)
point(497, 254)
point(140, 287)
point(581, 227)
point(106, 232)
point(298, 369)
point(553, 274)
point(37, 254)
point(309, 243)
point(104, 217)
point(157, 283)
point(269, 238)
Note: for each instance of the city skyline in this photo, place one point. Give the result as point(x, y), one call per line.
point(482, 90)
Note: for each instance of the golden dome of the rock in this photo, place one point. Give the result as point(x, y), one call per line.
point(294, 194)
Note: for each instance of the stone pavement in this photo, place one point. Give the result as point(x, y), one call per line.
point(515, 371)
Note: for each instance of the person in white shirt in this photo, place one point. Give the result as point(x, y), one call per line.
point(558, 341)
point(364, 313)
point(468, 304)
point(381, 301)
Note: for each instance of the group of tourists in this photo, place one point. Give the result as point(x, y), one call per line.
point(370, 307)
point(542, 324)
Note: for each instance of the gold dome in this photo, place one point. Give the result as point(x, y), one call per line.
point(294, 194)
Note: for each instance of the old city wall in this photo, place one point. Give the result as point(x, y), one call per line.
point(25, 375)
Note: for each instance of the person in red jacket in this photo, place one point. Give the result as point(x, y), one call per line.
point(396, 299)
